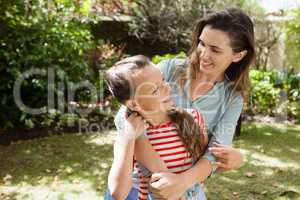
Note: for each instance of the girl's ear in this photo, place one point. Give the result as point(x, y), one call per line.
point(132, 105)
point(239, 56)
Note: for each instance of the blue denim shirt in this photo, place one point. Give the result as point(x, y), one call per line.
point(220, 107)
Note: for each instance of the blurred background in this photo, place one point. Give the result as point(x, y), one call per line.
point(56, 119)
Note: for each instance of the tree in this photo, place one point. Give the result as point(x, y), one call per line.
point(172, 22)
point(292, 50)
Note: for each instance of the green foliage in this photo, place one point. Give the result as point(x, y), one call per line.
point(157, 58)
point(274, 93)
point(292, 50)
point(46, 36)
point(265, 96)
point(172, 22)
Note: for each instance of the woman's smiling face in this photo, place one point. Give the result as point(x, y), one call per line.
point(215, 52)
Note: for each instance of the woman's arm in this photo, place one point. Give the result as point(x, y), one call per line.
point(220, 151)
point(172, 186)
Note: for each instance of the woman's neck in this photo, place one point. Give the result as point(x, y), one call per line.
point(209, 78)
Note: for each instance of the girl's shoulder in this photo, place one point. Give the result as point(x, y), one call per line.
point(195, 113)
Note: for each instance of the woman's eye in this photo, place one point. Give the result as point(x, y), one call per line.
point(201, 43)
point(216, 51)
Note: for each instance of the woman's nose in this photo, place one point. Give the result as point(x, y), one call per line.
point(205, 54)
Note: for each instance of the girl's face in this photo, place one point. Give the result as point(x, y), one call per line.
point(215, 52)
point(152, 92)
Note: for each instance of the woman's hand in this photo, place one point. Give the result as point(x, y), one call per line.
point(134, 126)
point(166, 185)
point(227, 157)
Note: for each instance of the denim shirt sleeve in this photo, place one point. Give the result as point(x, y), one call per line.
point(224, 130)
point(164, 67)
point(120, 120)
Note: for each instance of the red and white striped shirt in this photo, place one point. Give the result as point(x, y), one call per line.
point(166, 142)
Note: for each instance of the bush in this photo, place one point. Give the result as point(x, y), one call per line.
point(45, 37)
point(274, 93)
point(171, 22)
point(157, 58)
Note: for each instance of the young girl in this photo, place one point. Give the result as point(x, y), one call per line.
point(177, 136)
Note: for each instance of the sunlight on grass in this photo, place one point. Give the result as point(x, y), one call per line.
point(259, 159)
point(75, 167)
point(57, 190)
point(105, 138)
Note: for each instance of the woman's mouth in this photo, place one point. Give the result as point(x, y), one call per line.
point(206, 65)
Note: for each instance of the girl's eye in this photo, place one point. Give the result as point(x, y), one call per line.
point(156, 91)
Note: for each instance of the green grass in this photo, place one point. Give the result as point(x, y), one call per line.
point(271, 169)
point(76, 166)
point(57, 167)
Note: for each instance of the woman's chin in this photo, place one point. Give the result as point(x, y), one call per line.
point(207, 70)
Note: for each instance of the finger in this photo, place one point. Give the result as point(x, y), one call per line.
point(224, 161)
point(131, 116)
point(218, 149)
point(155, 177)
point(221, 165)
point(146, 126)
point(157, 185)
point(219, 145)
point(155, 193)
point(220, 155)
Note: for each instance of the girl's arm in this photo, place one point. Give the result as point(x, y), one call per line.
point(146, 155)
point(119, 178)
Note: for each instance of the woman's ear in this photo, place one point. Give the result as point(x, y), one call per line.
point(239, 56)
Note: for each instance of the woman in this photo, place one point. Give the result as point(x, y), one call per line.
point(214, 80)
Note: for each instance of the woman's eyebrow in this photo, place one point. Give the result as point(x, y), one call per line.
point(212, 46)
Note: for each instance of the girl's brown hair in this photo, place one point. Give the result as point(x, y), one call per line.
point(239, 28)
point(122, 87)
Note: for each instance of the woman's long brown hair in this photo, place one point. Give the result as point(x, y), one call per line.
point(122, 87)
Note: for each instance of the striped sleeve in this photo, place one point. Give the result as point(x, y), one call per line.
point(198, 118)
